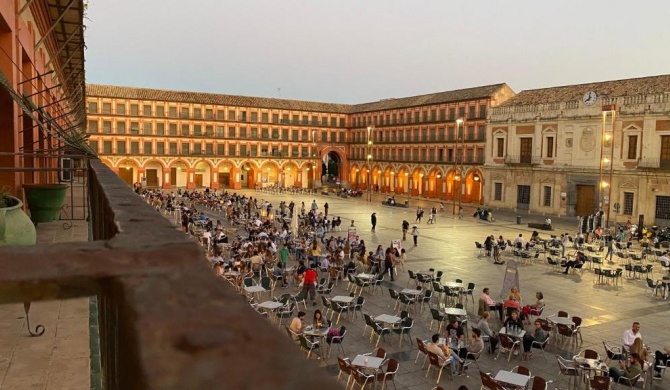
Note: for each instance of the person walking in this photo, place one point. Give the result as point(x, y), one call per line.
point(325, 209)
point(418, 215)
point(373, 221)
point(433, 215)
point(415, 235)
point(405, 228)
point(314, 206)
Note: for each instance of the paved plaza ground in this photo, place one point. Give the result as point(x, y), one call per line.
point(449, 246)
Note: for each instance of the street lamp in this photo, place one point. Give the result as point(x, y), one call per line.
point(392, 183)
point(607, 137)
point(358, 178)
point(407, 185)
point(369, 155)
point(457, 170)
point(314, 157)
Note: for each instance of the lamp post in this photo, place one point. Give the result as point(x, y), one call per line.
point(407, 185)
point(358, 178)
point(314, 157)
point(607, 136)
point(392, 183)
point(457, 169)
point(369, 159)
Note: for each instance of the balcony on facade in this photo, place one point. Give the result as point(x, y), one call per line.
point(653, 163)
point(522, 160)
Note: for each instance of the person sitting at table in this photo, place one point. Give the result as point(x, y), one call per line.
point(488, 245)
point(300, 272)
point(661, 358)
point(627, 370)
point(278, 272)
point(579, 259)
point(664, 259)
point(502, 244)
point(314, 252)
point(538, 304)
point(483, 326)
point(454, 333)
point(638, 348)
point(298, 324)
point(325, 264)
point(629, 335)
point(511, 305)
point(514, 293)
point(513, 321)
point(443, 352)
point(475, 345)
point(539, 335)
point(492, 305)
point(318, 320)
point(219, 268)
point(379, 253)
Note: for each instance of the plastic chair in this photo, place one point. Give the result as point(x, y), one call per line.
point(439, 364)
point(330, 340)
point(361, 379)
point(421, 346)
point(507, 344)
point(346, 368)
point(436, 317)
point(388, 374)
point(567, 369)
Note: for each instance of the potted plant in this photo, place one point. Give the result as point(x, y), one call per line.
point(45, 201)
point(15, 226)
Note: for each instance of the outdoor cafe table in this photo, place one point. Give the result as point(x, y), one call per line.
point(453, 311)
point(561, 320)
point(425, 273)
point(319, 333)
point(343, 299)
point(409, 291)
point(254, 289)
point(270, 305)
point(365, 276)
point(369, 362)
point(512, 378)
point(516, 333)
point(388, 319)
point(587, 366)
point(455, 285)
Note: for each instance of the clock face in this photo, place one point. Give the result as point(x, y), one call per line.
point(590, 98)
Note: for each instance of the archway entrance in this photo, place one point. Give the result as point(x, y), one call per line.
point(331, 166)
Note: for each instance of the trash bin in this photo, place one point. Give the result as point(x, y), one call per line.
point(518, 220)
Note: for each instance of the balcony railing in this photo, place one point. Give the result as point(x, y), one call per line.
point(165, 321)
point(649, 162)
point(522, 160)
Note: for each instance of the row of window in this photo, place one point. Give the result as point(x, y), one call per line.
point(446, 155)
point(471, 133)
point(211, 114)
point(419, 116)
point(188, 149)
point(549, 147)
point(173, 129)
point(547, 200)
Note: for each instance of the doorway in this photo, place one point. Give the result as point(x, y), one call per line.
point(523, 197)
point(152, 177)
point(662, 214)
point(127, 175)
point(198, 180)
point(586, 196)
point(224, 179)
point(173, 176)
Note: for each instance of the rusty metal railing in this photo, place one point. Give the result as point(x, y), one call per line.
point(166, 322)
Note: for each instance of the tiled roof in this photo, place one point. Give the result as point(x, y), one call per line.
point(614, 88)
point(110, 91)
point(432, 98)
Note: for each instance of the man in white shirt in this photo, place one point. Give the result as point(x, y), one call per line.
point(629, 335)
point(665, 261)
point(435, 348)
point(519, 242)
point(491, 303)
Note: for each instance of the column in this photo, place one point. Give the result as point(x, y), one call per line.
point(235, 184)
point(166, 179)
point(298, 179)
point(214, 179)
point(190, 178)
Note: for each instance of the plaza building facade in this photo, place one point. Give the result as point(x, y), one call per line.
point(420, 145)
point(575, 150)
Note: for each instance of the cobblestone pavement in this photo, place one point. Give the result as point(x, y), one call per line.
point(448, 245)
point(60, 358)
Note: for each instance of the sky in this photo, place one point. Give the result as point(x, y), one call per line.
point(355, 51)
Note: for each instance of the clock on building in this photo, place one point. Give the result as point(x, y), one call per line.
point(590, 98)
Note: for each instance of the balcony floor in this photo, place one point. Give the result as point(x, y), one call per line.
point(60, 358)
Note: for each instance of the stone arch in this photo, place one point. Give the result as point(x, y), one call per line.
point(153, 171)
point(474, 186)
point(248, 173)
point(129, 170)
point(435, 181)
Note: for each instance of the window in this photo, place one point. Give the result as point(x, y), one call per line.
point(546, 196)
point(231, 132)
point(93, 145)
point(443, 114)
point(497, 191)
point(92, 126)
point(632, 147)
point(160, 148)
point(481, 133)
point(121, 147)
point(160, 111)
point(92, 108)
point(173, 112)
point(500, 147)
point(526, 150)
point(173, 129)
point(665, 151)
point(173, 148)
point(197, 148)
point(184, 112)
point(550, 147)
point(185, 129)
point(628, 203)
point(147, 129)
point(221, 149)
point(160, 128)
point(209, 114)
point(482, 111)
point(120, 127)
point(243, 116)
point(209, 130)
point(472, 112)
point(106, 108)
point(120, 109)
point(254, 117)
point(197, 113)
point(275, 118)
point(452, 114)
point(134, 147)
point(461, 112)
point(146, 110)
point(134, 109)
point(209, 149)
point(107, 147)
point(134, 128)
point(107, 127)
point(219, 131)
point(197, 130)
point(184, 149)
point(243, 150)
point(220, 115)
point(275, 133)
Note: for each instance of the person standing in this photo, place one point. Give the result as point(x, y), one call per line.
point(418, 215)
point(415, 235)
point(373, 221)
point(325, 210)
point(389, 259)
point(405, 228)
point(433, 215)
point(309, 283)
point(314, 206)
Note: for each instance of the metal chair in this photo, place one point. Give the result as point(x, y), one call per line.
point(542, 346)
point(439, 364)
point(361, 379)
point(421, 346)
point(427, 296)
point(404, 329)
point(346, 368)
point(307, 345)
point(538, 383)
point(327, 305)
point(330, 340)
point(567, 369)
point(599, 383)
point(522, 370)
point(338, 308)
point(436, 317)
point(507, 344)
point(358, 306)
point(396, 297)
point(625, 381)
point(379, 331)
point(388, 374)
point(613, 353)
point(412, 276)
